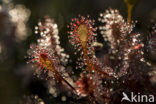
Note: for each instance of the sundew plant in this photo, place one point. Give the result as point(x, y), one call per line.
point(108, 60)
point(99, 81)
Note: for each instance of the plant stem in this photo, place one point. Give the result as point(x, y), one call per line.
point(129, 12)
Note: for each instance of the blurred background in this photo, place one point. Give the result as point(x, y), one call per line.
point(17, 21)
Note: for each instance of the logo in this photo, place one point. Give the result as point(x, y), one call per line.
point(137, 97)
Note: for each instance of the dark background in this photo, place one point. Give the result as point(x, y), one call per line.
point(15, 79)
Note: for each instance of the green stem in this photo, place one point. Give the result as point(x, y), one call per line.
point(129, 12)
